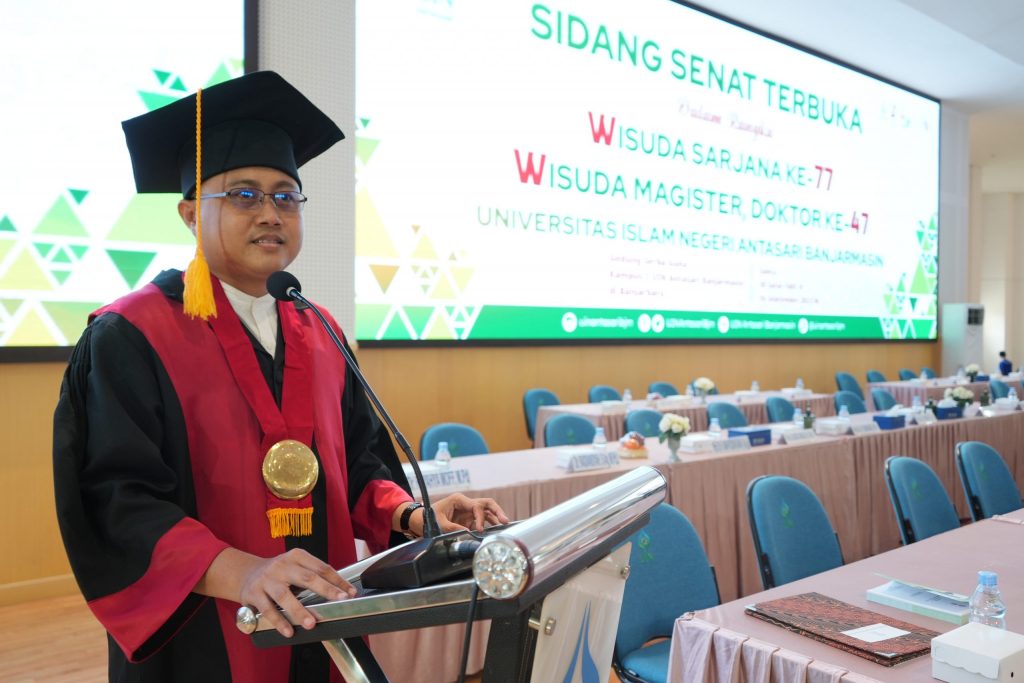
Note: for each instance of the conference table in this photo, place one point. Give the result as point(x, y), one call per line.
point(846, 472)
point(935, 389)
point(611, 415)
point(726, 644)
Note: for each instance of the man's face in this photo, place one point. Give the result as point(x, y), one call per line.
point(245, 246)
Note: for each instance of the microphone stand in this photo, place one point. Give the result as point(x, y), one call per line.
point(430, 526)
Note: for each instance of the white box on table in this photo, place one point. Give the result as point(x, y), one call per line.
point(976, 653)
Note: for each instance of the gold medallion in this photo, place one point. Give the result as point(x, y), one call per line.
point(290, 469)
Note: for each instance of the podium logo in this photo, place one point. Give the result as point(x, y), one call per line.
point(569, 322)
point(581, 655)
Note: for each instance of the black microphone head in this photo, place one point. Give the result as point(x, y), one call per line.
point(280, 282)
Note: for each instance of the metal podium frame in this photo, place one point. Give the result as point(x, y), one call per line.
point(558, 544)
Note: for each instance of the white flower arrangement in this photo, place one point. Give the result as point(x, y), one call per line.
point(673, 426)
point(960, 394)
point(703, 385)
point(972, 369)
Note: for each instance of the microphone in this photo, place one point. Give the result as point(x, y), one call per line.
point(284, 286)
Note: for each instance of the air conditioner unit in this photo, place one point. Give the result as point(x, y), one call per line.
point(961, 336)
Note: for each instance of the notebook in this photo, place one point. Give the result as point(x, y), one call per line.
point(884, 640)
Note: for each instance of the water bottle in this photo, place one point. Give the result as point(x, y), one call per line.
point(1012, 395)
point(987, 606)
point(844, 412)
point(798, 417)
point(443, 457)
point(799, 382)
point(627, 395)
point(600, 440)
point(755, 387)
point(916, 404)
point(715, 428)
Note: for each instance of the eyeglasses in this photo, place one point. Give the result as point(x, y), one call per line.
point(251, 199)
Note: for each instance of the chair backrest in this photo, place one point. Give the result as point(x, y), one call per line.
point(603, 392)
point(533, 399)
point(907, 373)
point(568, 430)
point(921, 504)
point(882, 399)
point(779, 409)
point(875, 376)
point(847, 382)
point(852, 401)
point(928, 372)
point(644, 421)
point(728, 415)
point(669, 575)
point(793, 537)
point(462, 440)
point(663, 388)
point(988, 484)
point(999, 388)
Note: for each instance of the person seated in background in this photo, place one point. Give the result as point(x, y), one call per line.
point(1005, 365)
point(182, 399)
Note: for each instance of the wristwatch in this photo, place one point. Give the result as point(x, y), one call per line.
point(403, 521)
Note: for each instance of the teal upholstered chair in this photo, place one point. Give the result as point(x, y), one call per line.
point(921, 504)
point(568, 430)
point(728, 415)
point(847, 382)
point(793, 537)
point(882, 399)
point(603, 392)
point(779, 409)
point(533, 399)
point(644, 421)
point(988, 484)
point(875, 376)
point(999, 388)
point(853, 403)
point(669, 575)
point(663, 388)
point(462, 440)
point(907, 374)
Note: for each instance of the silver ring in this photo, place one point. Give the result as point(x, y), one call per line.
point(246, 619)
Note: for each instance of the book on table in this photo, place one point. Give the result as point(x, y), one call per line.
point(861, 632)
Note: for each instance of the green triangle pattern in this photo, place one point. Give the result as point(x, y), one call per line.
point(61, 220)
point(919, 285)
point(419, 316)
point(155, 100)
point(60, 256)
point(78, 195)
point(131, 264)
point(78, 250)
point(177, 85)
point(365, 148)
point(43, 248)
point(70, 316)
point(6, 225)
point(11, 305)
point(219, 76)
point(397, 328)
point(162, 76)
point(369, 318)
point(364, 122)
point(151, 218)
point(61, 275)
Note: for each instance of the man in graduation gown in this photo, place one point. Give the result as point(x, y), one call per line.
point(182, 400)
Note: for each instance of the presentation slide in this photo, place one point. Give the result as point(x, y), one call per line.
point(608, 170)
point(73, 233)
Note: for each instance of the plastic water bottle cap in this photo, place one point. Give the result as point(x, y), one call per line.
point(986, 578)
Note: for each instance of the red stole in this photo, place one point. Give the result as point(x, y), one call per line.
point(226, 450)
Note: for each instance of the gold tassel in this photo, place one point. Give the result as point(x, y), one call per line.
point(199, 302)
point(290, 522)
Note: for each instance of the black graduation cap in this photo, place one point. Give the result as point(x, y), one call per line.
point(255, 120)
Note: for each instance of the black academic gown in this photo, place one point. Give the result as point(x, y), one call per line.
point(110, 523)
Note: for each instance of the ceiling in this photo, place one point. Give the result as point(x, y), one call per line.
point(970, 55)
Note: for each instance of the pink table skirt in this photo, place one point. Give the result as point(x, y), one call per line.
point(934, 389)
point(613, 418)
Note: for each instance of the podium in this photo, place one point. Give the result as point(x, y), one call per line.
point(551, 586)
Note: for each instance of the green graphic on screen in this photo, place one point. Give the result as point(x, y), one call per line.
point(529, 171)
point(73, 233)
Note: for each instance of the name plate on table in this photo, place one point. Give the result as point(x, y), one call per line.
point(797, 436)
point(793, 392)
point(865, 428)
point(731, 445)
point(612, 407)
point(572, 460)
point(439, 478)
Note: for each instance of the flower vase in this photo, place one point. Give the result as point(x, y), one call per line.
point(673, 450)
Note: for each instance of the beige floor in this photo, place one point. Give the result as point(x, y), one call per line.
point(59, 641)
